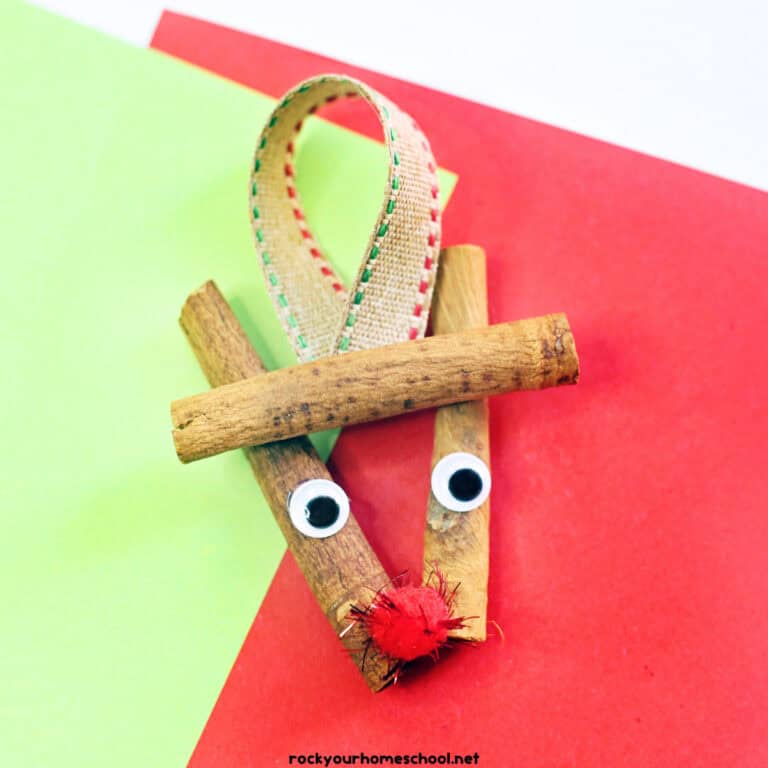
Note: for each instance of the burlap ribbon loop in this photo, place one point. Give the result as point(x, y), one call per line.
point(389, 300)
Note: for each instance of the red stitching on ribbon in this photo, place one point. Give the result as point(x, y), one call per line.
point(298, 213)
point(429, 261)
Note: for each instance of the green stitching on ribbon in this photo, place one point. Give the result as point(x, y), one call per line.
point(391, 134)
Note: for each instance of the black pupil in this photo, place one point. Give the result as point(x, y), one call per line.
point(322, 511)
point(465, 484)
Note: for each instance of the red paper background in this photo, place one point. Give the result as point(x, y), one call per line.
point(629, 532)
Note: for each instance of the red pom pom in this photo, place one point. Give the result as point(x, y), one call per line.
point(405, 622)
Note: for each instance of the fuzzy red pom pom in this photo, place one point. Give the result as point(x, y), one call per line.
point(408, 622)
point(405, 621)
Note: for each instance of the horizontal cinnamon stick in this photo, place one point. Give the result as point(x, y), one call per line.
point(376, 383)
point(457, 542)
point(341, 570)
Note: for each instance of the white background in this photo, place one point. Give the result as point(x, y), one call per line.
point(682, 80)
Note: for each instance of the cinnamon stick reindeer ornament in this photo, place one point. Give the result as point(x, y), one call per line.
point(362, 357)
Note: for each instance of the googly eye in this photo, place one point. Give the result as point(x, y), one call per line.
point(318, 508)
point(461, 481)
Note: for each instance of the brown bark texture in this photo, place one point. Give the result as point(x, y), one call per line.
point(457, 542)
point(374, 384)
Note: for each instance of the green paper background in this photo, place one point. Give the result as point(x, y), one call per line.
point(128, 580)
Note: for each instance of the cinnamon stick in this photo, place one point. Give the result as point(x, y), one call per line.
point(457, 541)
point(374, 384)
point(341, 570)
